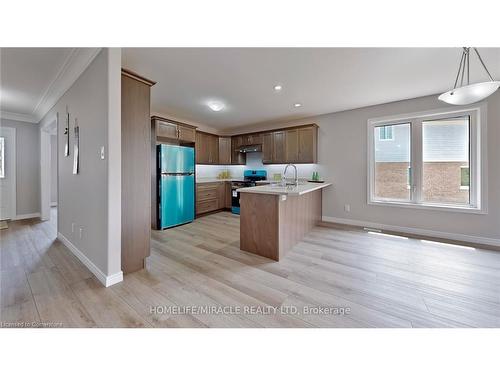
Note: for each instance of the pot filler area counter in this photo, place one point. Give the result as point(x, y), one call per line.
point(274, 218)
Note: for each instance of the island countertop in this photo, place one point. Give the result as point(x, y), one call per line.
point(290, 190)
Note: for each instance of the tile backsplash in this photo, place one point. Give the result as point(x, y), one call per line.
point(254, 161)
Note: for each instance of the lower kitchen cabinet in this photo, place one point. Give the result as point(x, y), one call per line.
point(212, 196)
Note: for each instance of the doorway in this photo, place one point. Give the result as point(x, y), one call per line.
point(49, 171)
point(7, 173)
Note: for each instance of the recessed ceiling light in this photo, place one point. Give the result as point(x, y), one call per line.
point(216, 106)
point(278, 88)
point(297, 105)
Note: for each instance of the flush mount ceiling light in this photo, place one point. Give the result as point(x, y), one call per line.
point(278, 88)
point(216, 106)
point(469, 94)
point(297, 105)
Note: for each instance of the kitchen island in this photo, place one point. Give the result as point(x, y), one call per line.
point(274, 218)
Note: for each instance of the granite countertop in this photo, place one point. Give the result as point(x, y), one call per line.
point(301, 189)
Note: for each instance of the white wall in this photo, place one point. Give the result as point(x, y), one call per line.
point(84, 199)
point(342, 158)
point(27, 166)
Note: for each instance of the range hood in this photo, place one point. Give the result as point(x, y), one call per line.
point(251, 148)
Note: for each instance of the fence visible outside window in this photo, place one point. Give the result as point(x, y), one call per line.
point(432, 161)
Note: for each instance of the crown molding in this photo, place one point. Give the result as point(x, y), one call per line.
point(18, 117)
point(75, 64)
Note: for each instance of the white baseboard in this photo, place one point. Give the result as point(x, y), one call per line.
point(27, 216)
point(101, 276)
point(416, 231)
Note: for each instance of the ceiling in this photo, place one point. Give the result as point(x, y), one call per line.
point(323, 80)
point(33, 79)
point(26, 73)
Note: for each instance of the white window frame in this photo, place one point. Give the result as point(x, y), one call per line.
point(477, 162)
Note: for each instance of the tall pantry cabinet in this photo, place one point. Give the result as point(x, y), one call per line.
point(136, 170)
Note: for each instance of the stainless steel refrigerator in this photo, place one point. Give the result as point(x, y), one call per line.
point(176, 168)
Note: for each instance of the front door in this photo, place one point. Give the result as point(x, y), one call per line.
point(7, 173)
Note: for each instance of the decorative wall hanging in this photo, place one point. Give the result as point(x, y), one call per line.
point(76, 149)
point(66, 134)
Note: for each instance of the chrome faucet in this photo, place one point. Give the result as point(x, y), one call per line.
point(296, 179)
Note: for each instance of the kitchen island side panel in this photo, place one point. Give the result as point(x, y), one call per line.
point(259, 224)
point(271, 225)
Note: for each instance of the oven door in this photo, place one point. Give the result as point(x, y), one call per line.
point(235, 200)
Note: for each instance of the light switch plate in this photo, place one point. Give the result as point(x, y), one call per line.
point(102, 152)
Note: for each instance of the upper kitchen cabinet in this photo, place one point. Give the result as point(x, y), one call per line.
point(173, 130)
point(267, 148)
point(207, 148)
point(308, 144)
point(294, 145)
point(225, 150)
point(237, 157)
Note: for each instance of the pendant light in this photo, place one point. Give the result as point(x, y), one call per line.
point(469, 94)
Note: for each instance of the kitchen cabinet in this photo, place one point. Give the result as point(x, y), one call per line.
point(173, 130)
point(186, 133)
point(224, 150)
point(279, 147)
point(228, 199)
point(267, 148)
point(211, 196)
point(207, 148)
point(308, 144)
point(292, 146)
point(295, 145)
point(136, 169)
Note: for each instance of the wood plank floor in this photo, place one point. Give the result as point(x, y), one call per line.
point(383, 281)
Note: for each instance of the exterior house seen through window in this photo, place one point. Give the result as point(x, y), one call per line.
point(428, 161)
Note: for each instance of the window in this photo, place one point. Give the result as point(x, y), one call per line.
point(432, 161)
point(2, 157)
point(385, 133)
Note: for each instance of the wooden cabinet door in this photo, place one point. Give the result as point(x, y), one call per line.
point(186, 134)
point(167, 129)
point(224, 150)
point(307, 141)
point(213, 149)
point(227, 196)
point(279, 147)
point(221, 195)
point(267, 148)
point(291, 146)
point(201, 148)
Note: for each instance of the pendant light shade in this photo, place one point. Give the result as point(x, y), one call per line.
point(468, 94)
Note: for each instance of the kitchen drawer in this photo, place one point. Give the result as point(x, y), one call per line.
point(207, 206)
point(206, 194)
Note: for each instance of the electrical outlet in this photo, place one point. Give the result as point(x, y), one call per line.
point(347, 208)
point(72, 227)
point(81, 232)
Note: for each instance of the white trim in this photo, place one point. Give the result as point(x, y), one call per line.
point(75, 64)
point(18, 117)
point(27, 216)
point(478, 177)
point(103, 278)
point(415, 231)
point(13, 166)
